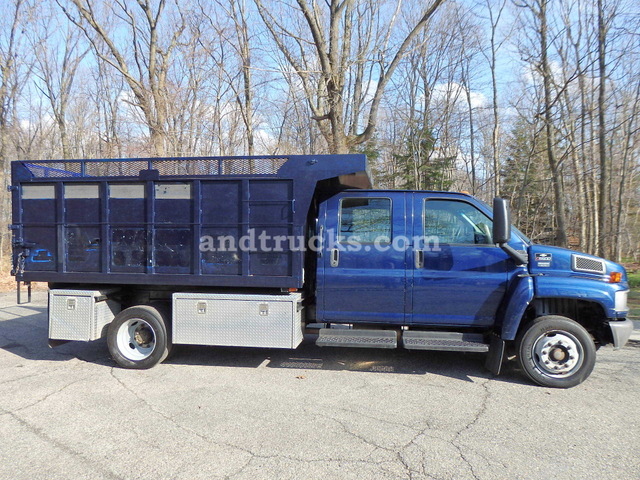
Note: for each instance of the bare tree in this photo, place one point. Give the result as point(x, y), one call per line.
point(14, 71)
point(58, 55)
point(145, 69)
point(233, 29)
point(11, 78)
point(329, 32)
point(105, 98)
point(470, 49)
point(495, 11)
point(602, 131)
point(554, 165)
point(542, 65)
point(238, 12)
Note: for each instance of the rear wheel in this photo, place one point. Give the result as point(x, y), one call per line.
point(138, 337)
point(556, 351)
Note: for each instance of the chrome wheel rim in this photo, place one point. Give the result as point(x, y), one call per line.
point(557, 354)
point(136, 339)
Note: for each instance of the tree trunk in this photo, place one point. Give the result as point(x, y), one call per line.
point(603, 244)
point(554, 167)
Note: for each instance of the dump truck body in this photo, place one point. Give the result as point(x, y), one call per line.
point(141, 221)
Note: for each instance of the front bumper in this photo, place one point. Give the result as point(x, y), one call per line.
point(621, 330)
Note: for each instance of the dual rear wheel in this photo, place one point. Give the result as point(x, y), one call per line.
point(139, 337)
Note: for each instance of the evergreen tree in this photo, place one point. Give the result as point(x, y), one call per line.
point(525, 182)
point(422, 167)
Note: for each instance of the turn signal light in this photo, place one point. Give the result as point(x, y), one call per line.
point(615, 277)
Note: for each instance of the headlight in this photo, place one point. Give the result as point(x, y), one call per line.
point(621, 301)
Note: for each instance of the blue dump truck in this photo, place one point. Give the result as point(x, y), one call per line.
point(259, 251)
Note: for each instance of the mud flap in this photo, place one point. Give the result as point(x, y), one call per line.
point(495, 355)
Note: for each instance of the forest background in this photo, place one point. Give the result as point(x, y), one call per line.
point(537, 101)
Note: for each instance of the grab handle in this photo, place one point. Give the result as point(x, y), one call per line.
point(335, 257)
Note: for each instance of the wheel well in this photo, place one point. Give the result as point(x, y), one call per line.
point(589, 314)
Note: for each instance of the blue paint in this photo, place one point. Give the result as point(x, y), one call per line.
point(559, 280)
point(457, 285)
point(463, 282)
point(367, 285)
point(518, 298)
point(580, 288)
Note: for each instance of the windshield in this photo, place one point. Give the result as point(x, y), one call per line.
point(520, 235)
point(514, 230)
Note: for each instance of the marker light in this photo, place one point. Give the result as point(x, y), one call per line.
point(615, 277)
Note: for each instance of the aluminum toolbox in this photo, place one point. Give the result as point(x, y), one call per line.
point(80, 314)
point(270, 321)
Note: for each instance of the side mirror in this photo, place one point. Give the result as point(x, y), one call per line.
point(501, 221)
point(502, 231)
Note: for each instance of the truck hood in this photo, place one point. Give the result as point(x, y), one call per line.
point(564, 262)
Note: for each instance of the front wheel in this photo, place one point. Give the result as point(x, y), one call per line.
point(556, 352)
point(138, 337)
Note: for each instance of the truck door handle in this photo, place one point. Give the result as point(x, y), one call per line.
point(335, 257)
point(419, 259)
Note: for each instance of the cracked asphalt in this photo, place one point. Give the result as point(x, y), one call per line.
point(309, 413)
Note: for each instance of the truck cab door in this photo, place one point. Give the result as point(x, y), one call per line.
point(459, 277)
point(361, 278)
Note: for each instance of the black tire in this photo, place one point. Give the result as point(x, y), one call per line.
point(139, 337)
point(556, 351)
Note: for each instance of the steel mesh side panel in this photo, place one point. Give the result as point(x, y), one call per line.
point(165, 167)
point(253, 166)
point(115, 169)
point(54, 170)
point(173, 167)
point(235, 320)
point(204, 166)
point(218, 166)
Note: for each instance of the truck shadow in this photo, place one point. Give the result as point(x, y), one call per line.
point(633, 343)
point(24, 332)
point(309, 357)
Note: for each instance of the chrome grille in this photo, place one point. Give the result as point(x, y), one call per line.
point(587, 264)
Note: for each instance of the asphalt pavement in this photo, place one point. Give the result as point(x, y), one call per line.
point(310, 413)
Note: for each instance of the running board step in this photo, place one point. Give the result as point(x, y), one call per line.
point(330, 337)
point(450, 341)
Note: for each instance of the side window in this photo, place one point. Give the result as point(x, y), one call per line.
point(365, 220)
point(456, 222)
